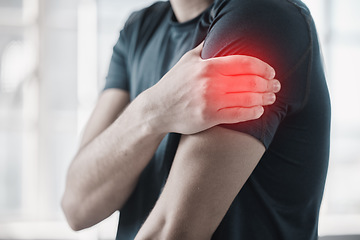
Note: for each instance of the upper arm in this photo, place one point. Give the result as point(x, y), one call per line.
point(208, 171)
point(110, 104)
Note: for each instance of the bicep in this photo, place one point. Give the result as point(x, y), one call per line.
point(209, 170)
point(110, 104)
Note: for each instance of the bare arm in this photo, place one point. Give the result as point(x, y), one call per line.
point(209, 170)
point(109, 106)
point(105, 171)
point(108, 157)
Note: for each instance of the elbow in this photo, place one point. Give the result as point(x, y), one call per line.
point(73, 213)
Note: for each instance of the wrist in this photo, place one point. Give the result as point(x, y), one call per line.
point(150, 114)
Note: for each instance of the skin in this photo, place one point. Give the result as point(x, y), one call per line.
point(185, 10)
point(206, 176)
point(209, 159)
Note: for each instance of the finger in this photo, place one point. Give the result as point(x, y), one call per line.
point(241, 65)
point(248, 83)
point(245, 100)
point(236, 115)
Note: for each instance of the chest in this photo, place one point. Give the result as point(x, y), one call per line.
point(156, 55)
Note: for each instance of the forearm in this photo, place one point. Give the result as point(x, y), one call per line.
point(105, 171)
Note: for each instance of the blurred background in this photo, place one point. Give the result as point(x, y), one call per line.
point(54, 57)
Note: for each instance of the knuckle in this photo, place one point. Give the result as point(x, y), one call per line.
point(207, 67)
point(246, 114)
point(196, 74)
point(247, 100)
point(241, 114)
point(206, 88)
point(202, 89)
point(253, 82)
point(247, 63)
point(204, 112)
point(232, 116)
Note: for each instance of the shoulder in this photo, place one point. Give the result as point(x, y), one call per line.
point(276, 31)
point(142, 23)
point(270, 13)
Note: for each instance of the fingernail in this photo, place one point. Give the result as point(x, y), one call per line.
point(276, 86)
point(259, 111)
point(270, 98)
point(272, 73)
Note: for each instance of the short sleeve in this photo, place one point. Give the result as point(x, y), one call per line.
point(277, 34)
point(117, 76)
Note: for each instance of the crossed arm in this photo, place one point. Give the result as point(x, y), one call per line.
point(211, 163)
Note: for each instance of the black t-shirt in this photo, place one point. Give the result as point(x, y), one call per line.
point(281, 198)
